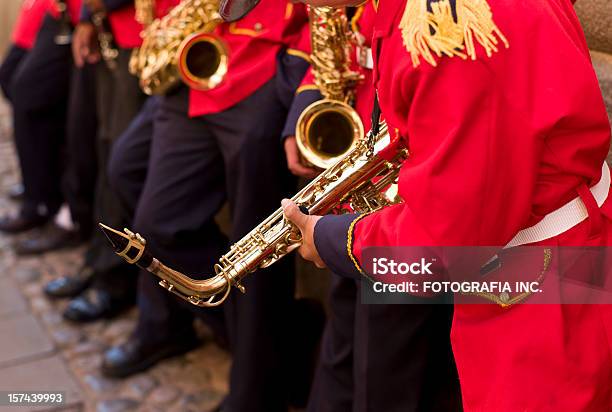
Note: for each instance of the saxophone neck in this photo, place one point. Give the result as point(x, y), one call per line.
point(133, 248)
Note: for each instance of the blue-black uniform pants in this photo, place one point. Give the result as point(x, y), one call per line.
point(80, 162)
point(194, 166)
point(81, 165)
point(39, 92)
point(392, 358)
point(118, 101)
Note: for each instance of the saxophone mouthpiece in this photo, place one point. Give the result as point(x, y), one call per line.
point(129, 245)
point(117, 240)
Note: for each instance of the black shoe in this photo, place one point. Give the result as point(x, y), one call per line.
point(135, 356)
point(95, 304)
point(53, 238)
point(70, 286)
point(22, 223)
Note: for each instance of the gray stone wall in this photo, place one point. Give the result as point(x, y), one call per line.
point(596, 19)
point(8, 13)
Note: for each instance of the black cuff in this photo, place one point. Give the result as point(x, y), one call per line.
point(330, 235)
point(112, 5)
point(300, 102)
point(85, 15)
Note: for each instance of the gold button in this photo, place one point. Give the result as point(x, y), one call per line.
point(504, 297)
point(258, 26)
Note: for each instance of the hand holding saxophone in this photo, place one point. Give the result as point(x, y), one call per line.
point(306, 224)
point(85, 45)
point(294, 160)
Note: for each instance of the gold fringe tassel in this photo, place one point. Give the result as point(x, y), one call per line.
point(145, 11)
point(428, 33)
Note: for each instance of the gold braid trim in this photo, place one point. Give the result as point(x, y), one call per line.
point(145, 11)
point(504, 300)
point(427, 33)
point(300, 54)
point(349, 242)
point(306, 87)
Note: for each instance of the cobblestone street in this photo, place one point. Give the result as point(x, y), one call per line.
point(39, 351)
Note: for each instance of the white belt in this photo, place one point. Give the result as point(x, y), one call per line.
point(364, 57)
point(564, 218)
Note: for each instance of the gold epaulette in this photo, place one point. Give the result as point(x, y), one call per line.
point(435, 27)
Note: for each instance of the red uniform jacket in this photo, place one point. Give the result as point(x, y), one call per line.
point(125, 27)
point(28, 22)
point(254, 43)
point(121, 15)
point(496, 144)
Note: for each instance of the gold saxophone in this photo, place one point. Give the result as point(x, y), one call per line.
point(180, 46)
point(360, 178)
point(329, 128)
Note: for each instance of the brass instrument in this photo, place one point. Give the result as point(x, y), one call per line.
point(359, 178)
point(329, 128)
point(181, 46)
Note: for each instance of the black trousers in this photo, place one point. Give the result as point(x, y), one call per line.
point(10, 63)
point(162, 314)
point(39, 91)
point(81, 170)
point(119, 99)
point(194, 166)
point(391, 358)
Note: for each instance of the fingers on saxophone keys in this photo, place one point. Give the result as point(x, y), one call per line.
point(293, 213)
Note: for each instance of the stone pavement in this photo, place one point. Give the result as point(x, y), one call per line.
point(41, 352)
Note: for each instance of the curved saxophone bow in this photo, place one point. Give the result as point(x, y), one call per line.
point(360, 179)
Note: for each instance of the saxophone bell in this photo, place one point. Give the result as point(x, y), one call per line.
point(326, 131)
point(202, 60)
point(329, 129)
point(181, 47)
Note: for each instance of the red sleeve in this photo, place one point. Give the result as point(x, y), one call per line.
point(29, 21)
point(126, 29)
